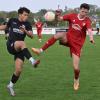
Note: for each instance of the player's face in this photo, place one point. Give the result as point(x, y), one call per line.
point(38, 20)
point(24, 16)
point(84, 12)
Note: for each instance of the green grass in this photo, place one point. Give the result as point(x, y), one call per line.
point(53, 80)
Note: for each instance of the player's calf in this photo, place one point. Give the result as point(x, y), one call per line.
point(25, 52)
point(76, 60)
point(49, 43)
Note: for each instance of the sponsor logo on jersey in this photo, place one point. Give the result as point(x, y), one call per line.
point(74, 20)
point(84, 24)
point(16, 30)
point(76, 27)
point(14, 23)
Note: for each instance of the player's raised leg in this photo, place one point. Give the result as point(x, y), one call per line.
point(76, 61)
point(20, 45)
point(50, 42)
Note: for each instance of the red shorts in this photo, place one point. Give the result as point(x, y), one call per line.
point(75, 46)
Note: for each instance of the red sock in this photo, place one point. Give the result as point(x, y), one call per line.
point(50, 42)
point(77, 73)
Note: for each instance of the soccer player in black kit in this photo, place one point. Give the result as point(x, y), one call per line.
point(18, 29)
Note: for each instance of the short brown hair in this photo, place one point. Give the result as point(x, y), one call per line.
point(23, 9)
point(85, 6)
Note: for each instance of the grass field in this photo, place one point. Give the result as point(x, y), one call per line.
point(53, 80)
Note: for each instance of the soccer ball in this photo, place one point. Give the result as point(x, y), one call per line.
point(49, 16)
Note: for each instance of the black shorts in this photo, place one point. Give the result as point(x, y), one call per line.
point(11, 50)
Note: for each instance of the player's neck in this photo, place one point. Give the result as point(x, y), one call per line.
point(81, 17)
point(20, 19)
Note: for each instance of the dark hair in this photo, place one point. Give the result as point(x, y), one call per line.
point(85, 6)
point(23, 9)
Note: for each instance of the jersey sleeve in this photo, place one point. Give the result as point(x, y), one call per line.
point(67, 17)
point(88, 24)
point(29, 27)
point(9, 23)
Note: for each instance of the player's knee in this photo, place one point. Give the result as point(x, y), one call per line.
point(22, 44)
point(76, 66)
point(57, 36)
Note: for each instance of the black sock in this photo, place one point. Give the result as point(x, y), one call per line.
point(14, 78)
point(77, 73)
point(26, 53)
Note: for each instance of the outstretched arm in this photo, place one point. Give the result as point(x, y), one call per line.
point(29, 33)
point(3, 27)
point(65, 17)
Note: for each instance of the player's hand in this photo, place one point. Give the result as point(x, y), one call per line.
point(60, 18)
point(22, 28)
point(92, 41)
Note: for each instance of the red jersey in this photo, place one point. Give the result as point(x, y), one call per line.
point(77, 27)
point(77, 31)
point(39, 25)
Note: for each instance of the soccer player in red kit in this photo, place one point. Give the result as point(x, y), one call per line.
point(74, 38)
point(39, 26)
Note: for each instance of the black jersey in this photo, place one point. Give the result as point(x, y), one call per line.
point(15, 33)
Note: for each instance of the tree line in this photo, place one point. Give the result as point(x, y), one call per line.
point(94, 14)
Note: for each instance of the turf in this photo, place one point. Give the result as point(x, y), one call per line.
point(53, 80)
